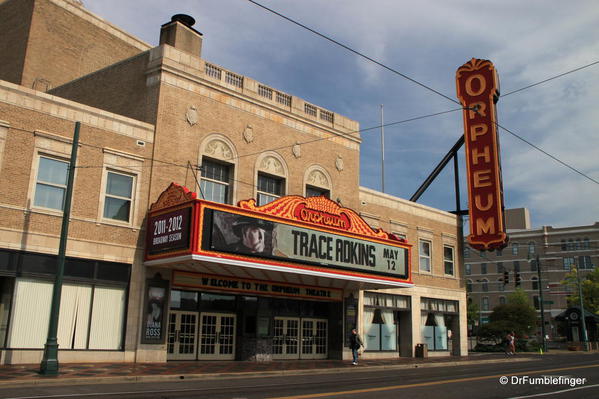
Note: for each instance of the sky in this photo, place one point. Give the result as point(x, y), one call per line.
point(427, 41)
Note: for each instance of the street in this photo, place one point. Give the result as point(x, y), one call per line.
point(549, 376)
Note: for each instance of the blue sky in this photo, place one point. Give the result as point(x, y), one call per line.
point(426, 40)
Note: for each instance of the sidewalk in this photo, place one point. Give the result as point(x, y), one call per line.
point(93, 373)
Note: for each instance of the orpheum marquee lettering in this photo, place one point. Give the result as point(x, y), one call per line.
point(478, 91)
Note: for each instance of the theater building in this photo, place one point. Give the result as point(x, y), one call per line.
point(181, 161)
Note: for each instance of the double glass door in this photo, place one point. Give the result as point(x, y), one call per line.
point(207, 336)
point(296, 338)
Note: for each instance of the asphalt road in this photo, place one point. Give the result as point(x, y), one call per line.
point(549, 376)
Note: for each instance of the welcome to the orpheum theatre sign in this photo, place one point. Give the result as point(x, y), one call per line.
point(478, 90)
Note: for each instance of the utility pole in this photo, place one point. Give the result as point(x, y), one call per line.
point(542, 305)
point(382, 152)
point(49, 364)
point(585, 337)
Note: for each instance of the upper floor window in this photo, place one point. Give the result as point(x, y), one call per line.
point(485, 285)
point(586, 243)
point(500, 285)
point(564, 245)
point(51, 184)
point(448, 259)
point(533, 265)
point(466, 251)
point(425, 255)
point(317, 192)
point(515, 248)
point(269, 188)
point(499, 252)
point(215, 181)
point(502, 300)
point(531, 247)
point(118, 196)
point(535, 283)
point(568, 263)
point(585, 262)
point(483, 268)
point(500, 268)
point(485, 303)
point(468, 285)
point(516, 266)
point(468, 269)
point(536, 302)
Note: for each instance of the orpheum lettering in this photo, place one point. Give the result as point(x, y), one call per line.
point(478, 90)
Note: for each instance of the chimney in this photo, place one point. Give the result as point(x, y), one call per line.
point(180, 34)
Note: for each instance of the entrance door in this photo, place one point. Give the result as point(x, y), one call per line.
point(314, 339)
point(286, 339)
point(217, 336)
point(182, 335)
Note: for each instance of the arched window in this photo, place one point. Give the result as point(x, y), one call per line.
point(317, 182)
point(217, 170)
point(271, 180)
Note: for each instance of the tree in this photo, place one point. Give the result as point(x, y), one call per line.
point(473, 312)
point(590, 290)
point(518, 297)
point(518, 317)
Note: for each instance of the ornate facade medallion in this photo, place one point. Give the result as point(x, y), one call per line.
point(318, 179)
point(272, 165)
point(339, 163)
point(219, 149)
point(297, 150)
point(248, 134)
point(191, 115)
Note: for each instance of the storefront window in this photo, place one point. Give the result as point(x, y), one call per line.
point(184, 300)
point(381, 315)
point(434, 331)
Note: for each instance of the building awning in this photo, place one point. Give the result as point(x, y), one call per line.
point(293, 240)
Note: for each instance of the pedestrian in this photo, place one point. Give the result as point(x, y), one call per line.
point(508, 344)
point(355, 343)
point(513, 343)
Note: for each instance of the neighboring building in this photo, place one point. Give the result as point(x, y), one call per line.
point(558, 250)
point(154, 116)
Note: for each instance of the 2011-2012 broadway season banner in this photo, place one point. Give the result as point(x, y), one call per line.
point(240, 234)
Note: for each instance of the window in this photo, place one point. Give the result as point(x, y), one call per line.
point(585, 262)
point(119, 195)
point(317, 192)
point(564, 245)
point(568, 263)
point(500, 267)
point(500, 252)
point(485, 286)
point(533, 265)
point(448, 259)
point(91, 317)
point(502, 300)
point(483, 268)
point(424, 253)
point(468, 267)
point(500, 285)
point(536, 302)
point(516, 266)
point(269, 188)
point(466, 251)
point(570, 244)
point(515, 248)
point(485, 303)
point(468, 285)
point(578, 244)
point(380, 329)
point(215, 181)
point(535, 283)
point(531, 247)
point(434, 331)
point(586, 243)
point(51, 184)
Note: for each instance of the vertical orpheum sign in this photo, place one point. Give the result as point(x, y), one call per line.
point(478, 90)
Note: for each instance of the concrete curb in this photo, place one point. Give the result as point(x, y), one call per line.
point(46, 381)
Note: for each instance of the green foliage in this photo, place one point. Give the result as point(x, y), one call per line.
point(590, 290)
point(514, 316)
point(473, 312)
point(518, 297)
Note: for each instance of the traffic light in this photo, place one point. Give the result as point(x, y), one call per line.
point(506, 277)
point(518, 279)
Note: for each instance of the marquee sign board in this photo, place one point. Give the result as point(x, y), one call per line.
point(478, 90)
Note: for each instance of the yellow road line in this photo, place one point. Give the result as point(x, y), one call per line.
point(422, 384)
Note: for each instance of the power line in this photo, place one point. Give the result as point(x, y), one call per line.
point(355, 52)
point(551, 78)
point(548, 154)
